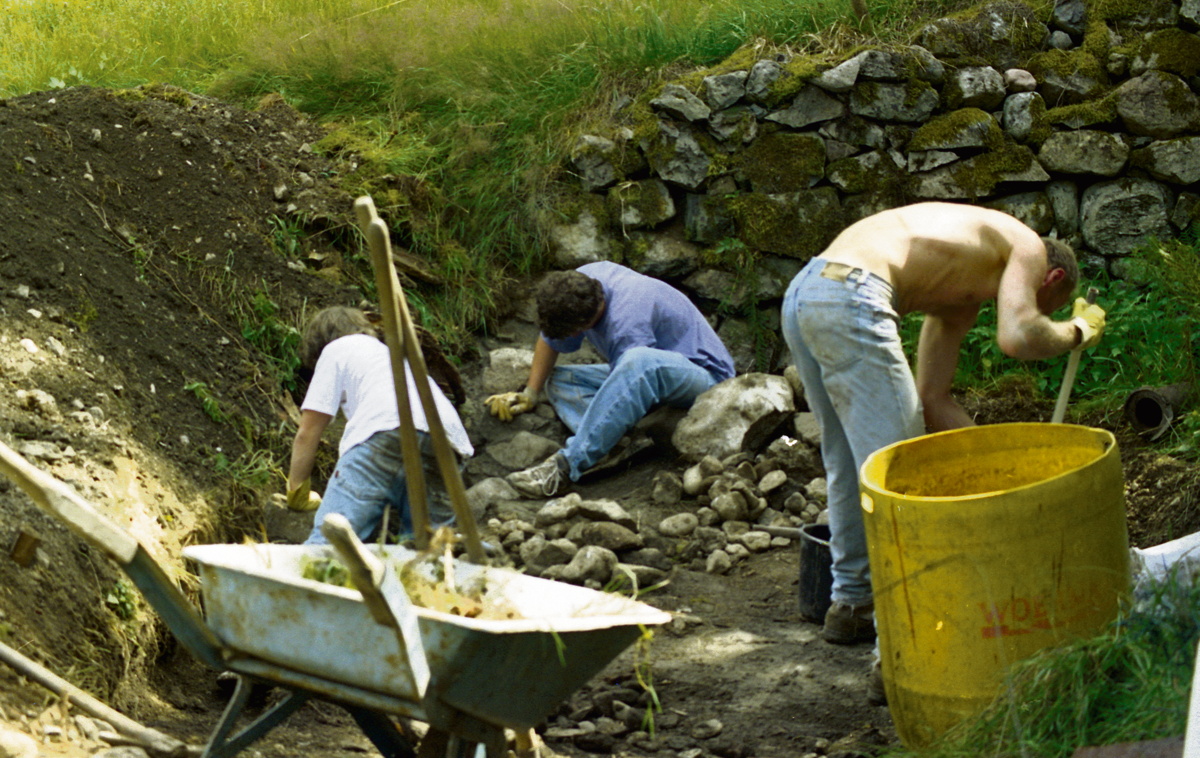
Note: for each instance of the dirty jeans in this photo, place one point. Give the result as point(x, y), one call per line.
point(600, 403)
point(369, 477)
point(844, 339)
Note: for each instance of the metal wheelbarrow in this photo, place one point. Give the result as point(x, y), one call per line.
point(468, 678)
point(371, 650)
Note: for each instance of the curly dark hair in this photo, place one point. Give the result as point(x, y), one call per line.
point(328, 325)
point(567, 302)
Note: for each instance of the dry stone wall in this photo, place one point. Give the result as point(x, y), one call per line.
point(1085, 125)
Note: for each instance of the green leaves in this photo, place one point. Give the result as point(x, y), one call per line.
point(278, 341)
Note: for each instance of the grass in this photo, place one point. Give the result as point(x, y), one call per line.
point(1129, 684)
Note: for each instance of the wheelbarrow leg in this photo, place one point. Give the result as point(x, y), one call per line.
point(388, 739)
point(219, 747)
point(442, 744)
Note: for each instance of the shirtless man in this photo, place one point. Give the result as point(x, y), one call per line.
point(841, 321)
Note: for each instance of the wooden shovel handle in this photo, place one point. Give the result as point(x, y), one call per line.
point(1064, 393)
point(405, 345)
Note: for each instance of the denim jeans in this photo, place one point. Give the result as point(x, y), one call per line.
point(600, 403)
point(370, 477)
point(844, 339)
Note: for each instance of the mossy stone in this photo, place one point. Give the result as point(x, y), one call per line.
point(965, 127)
point(783, 162)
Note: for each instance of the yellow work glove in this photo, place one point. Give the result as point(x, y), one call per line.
point(303, 499)
point(508, 405)
point(1089, 318)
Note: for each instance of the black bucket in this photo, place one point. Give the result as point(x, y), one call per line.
point(816, 572)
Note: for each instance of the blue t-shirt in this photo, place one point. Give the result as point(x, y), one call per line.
point(641, 311)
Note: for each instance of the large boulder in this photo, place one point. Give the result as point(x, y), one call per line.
point(675, 154)
point(1085, 151)
point(1119, 215)
point(798, 224)
point(1000, 33)
point(583, 241)
point(1174, 160)
point(738, 414)
point(637, 205)
point(1157, 104)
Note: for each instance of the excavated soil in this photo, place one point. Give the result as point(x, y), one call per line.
point(152, 242)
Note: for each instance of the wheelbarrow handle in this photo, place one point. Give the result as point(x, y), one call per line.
point(59, 500)
point(404, 346)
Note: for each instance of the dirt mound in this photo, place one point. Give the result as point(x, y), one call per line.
point(154, 253)
point(143, 232)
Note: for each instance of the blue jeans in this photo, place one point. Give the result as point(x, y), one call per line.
point(600, 403)
point(370, 477)
point(845, 341)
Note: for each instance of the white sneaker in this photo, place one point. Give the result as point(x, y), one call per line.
point(542, 480)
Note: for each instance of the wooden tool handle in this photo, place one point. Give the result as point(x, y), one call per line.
point(365, 569)
point(1064, 393)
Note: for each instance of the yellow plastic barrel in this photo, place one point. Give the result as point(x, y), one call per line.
point(988, 544)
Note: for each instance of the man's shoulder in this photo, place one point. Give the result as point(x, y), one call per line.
point(605, 269)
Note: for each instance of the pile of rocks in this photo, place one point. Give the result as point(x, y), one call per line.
point(750, 477)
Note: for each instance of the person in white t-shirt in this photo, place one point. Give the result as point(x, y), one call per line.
point(352, 373)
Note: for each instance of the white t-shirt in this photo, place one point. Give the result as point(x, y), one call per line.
point(354, 375)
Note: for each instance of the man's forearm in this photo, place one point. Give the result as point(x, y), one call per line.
point(303, 455)
point(304, 447)
point(1040, 339)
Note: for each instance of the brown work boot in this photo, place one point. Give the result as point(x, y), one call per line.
point(849, 625)
point(876, 694)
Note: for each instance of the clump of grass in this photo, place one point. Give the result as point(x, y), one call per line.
point(1129, 684)
point(278, 341)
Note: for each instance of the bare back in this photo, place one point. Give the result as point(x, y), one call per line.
point(940, 257)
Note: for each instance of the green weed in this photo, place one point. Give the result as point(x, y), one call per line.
point(141, 260)
point(254, 469)
point(643, 671)
point(211, 407)
point(122, 600)
point(286, 236)
point(278, 341)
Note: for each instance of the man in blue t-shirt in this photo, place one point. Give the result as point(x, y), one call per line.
point(659, 351)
